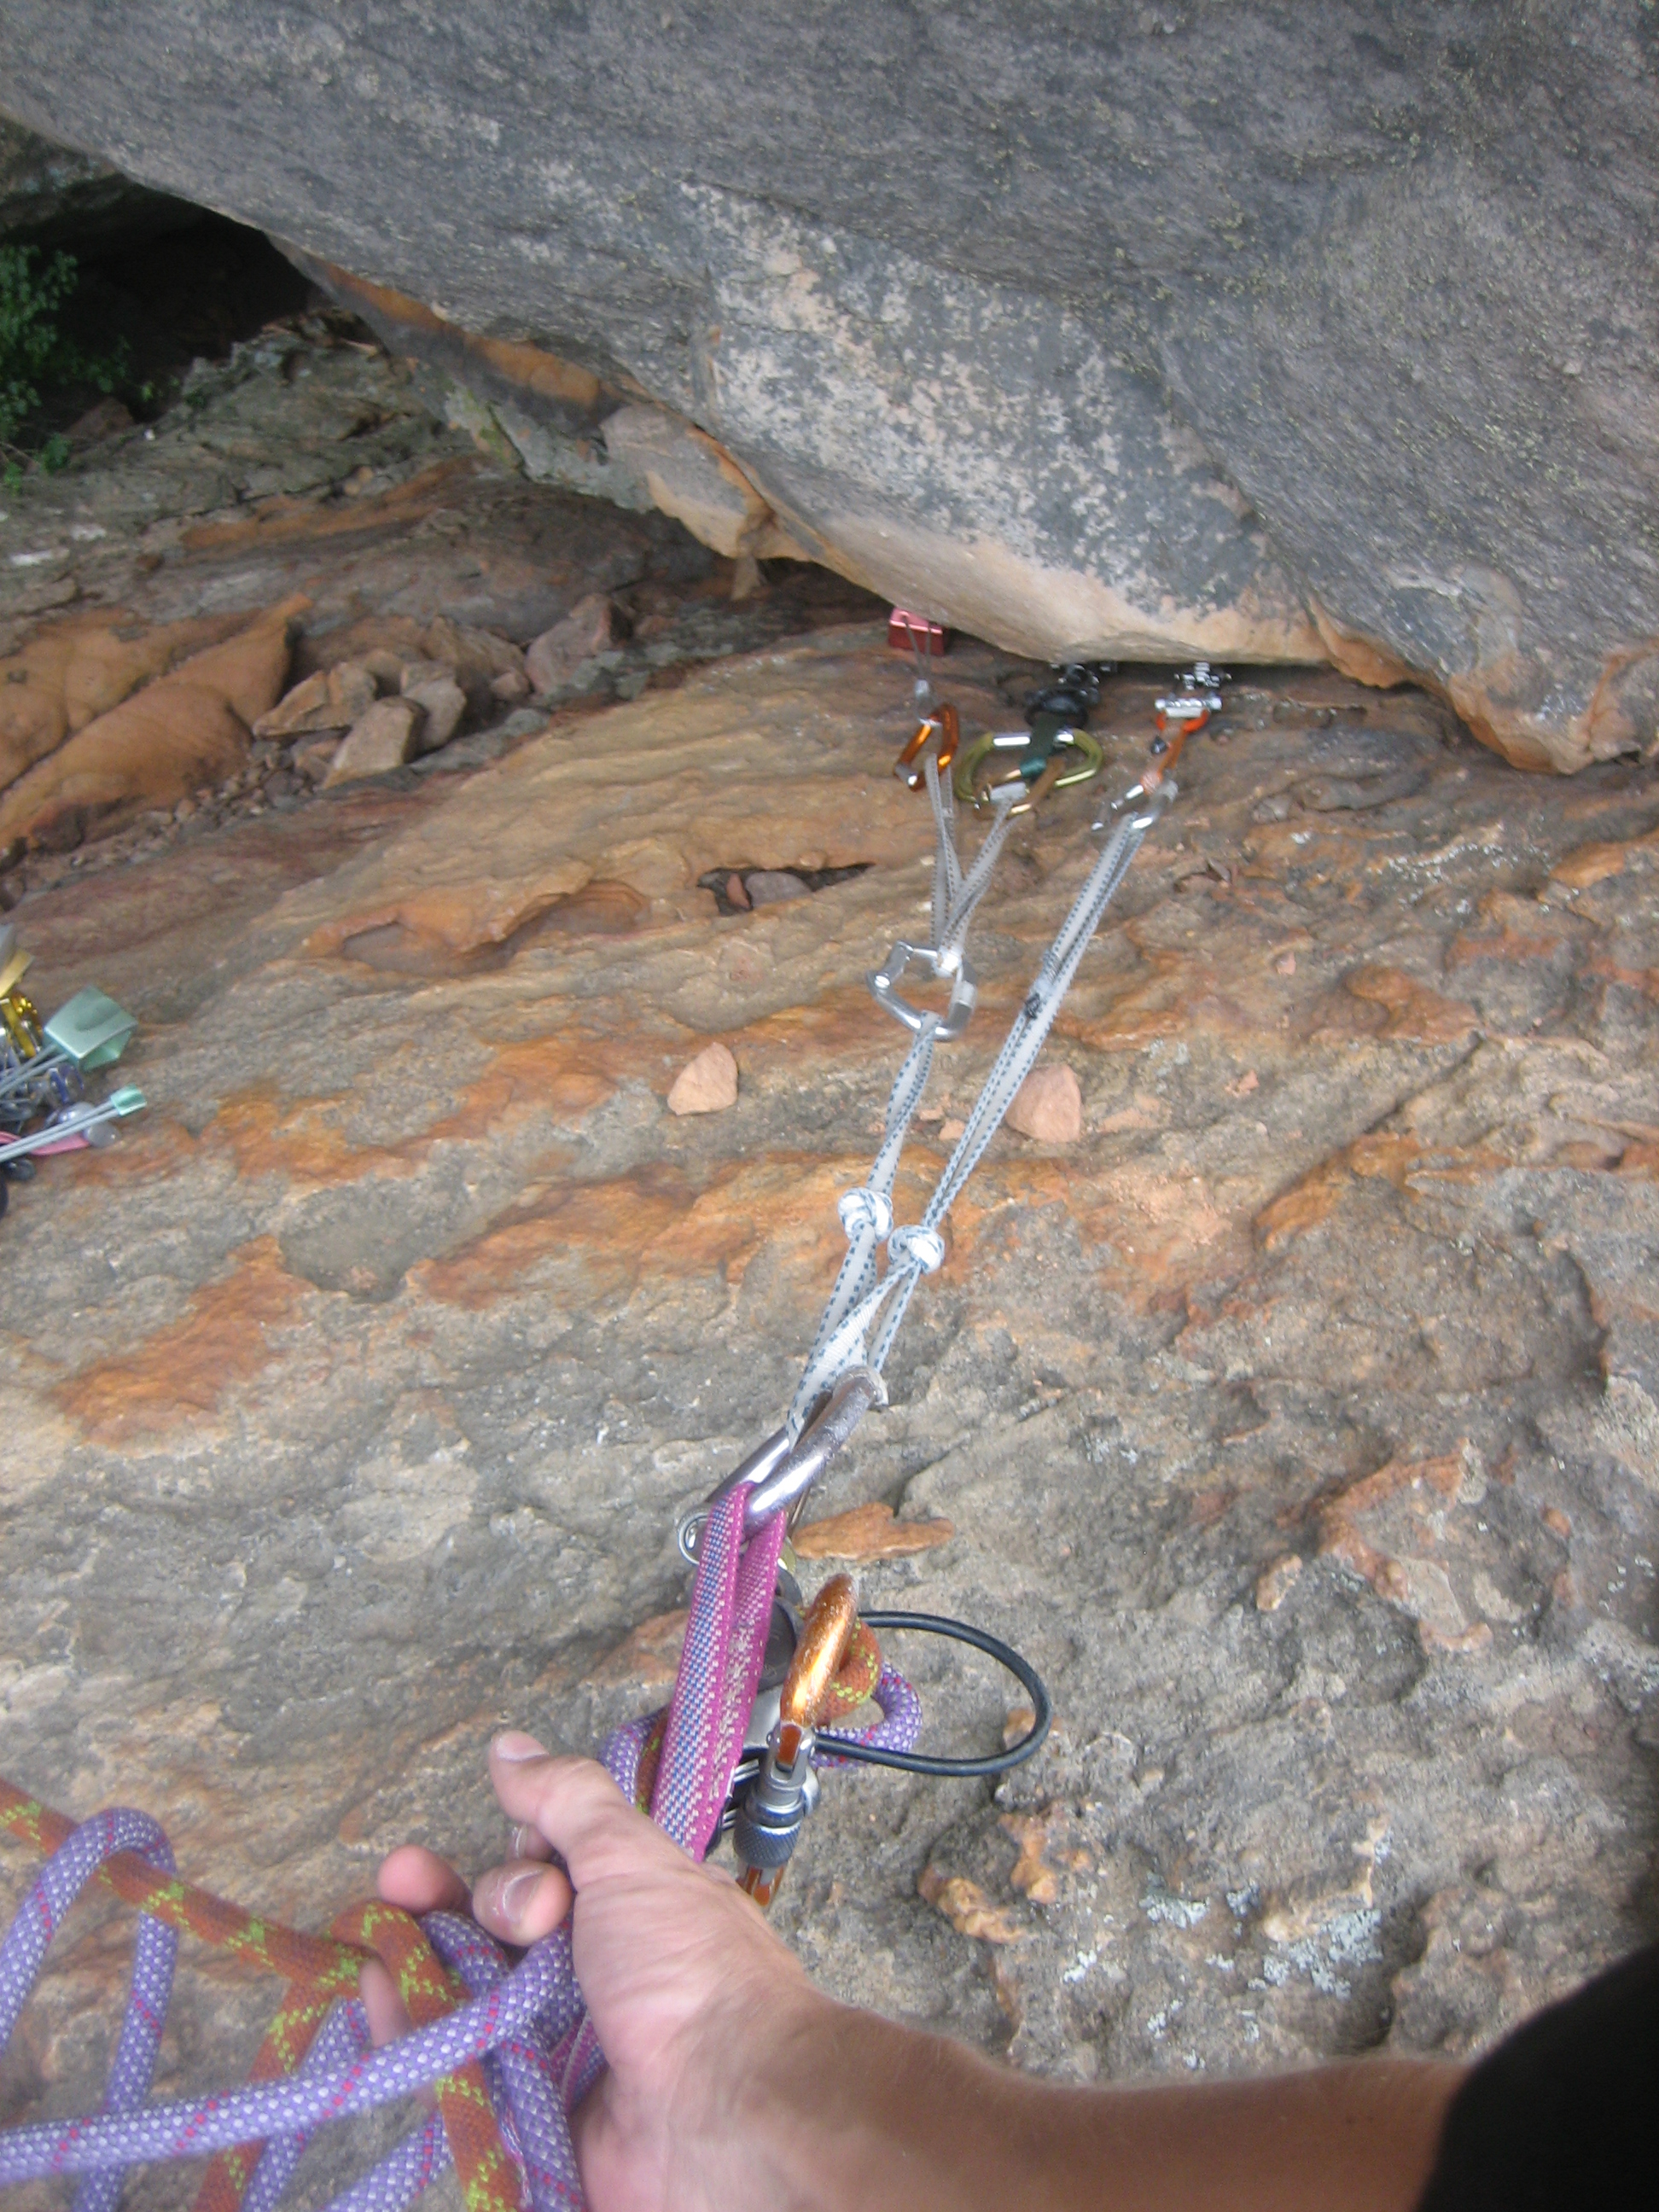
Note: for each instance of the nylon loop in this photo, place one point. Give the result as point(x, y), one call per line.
point(866, 1303)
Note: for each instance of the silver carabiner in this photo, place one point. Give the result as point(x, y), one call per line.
point(964, 989)
point(779, 1473)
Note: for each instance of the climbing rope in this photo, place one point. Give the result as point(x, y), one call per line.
point(502, 2042)
point(507, 2045)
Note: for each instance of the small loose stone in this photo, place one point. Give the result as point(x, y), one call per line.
point(706, 1085)
point(554, 658)
point(1049, 1106)
point(772, 886)
point(384, 738)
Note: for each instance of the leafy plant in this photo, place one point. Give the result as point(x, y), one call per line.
point(36, 356)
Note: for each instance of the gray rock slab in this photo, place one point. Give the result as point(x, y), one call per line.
point(1255, 328)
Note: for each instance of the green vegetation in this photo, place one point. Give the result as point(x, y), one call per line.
point(38, 360)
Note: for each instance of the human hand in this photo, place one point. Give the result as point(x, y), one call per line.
point(733, 2086)
point(689, 1992)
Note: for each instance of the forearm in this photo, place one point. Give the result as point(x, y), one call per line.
point(850, 2110)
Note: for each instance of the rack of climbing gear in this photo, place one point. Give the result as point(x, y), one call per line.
point(44, 1066)
point(768, 1689)
point(1055, 751)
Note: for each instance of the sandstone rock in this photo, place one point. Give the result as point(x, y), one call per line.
point(554, 657)
point(474, 657)
point(772, 886)
point(1049, 1106)
point(385, 1220)
point(386, 667)
point(331, 700)
point(51, 193)
point(967, 1907)
point(442, 703)
point(690, 476)
point(1385, 1528)
point(510, 686)
point(415, 672)
point(187, 727)
point(1139, 408)
point(1273, 1585)
point(73, 672)
point(315, 759)
point(648, 1659)
point(249, 668)
point(523, 723)
point(706, 1085)
point(104, 420)
point(386, 736)
point(867, 1533)
point(383, 643)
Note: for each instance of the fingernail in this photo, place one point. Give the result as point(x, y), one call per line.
point(515, 1745)
point(515, 1893)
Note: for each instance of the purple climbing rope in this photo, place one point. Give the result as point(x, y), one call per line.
point(525, 2023)
point(897, 1730)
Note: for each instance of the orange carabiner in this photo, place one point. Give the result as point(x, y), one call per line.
point(949, 725)
point(1169, 743)
point(826, 1634)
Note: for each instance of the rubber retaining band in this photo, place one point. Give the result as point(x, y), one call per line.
point(921, 1762)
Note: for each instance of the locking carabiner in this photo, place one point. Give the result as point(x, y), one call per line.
point(770, 1817)
point(1051, 759)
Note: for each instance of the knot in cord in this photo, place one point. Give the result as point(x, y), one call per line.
point(864, 1209)
point(917, 1247)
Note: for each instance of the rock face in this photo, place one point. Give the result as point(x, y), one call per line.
point(49, 193)
point(350, 1400)
point(1052, 324)
point(305, 474)
point(189, 727)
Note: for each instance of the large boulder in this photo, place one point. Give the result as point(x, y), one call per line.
point(50, 194)
point(1262, 329)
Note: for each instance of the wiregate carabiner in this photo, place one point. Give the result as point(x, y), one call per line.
point(948, 723)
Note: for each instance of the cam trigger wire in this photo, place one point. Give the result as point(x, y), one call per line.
point(921, 1762)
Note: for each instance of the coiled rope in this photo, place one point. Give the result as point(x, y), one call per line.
point(507, 2045)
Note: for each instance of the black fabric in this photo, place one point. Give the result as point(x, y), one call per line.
point(1566, 2112)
